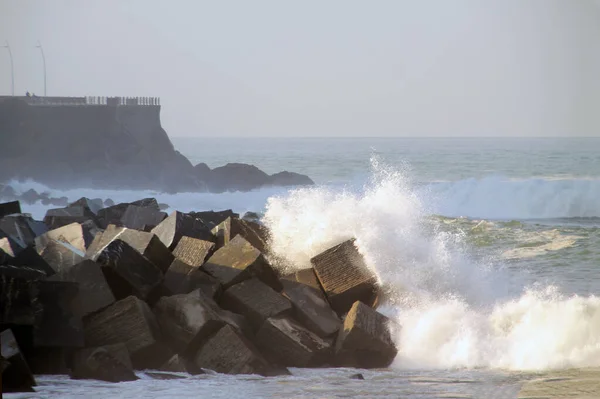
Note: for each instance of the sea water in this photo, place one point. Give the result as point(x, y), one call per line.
point(486, 251)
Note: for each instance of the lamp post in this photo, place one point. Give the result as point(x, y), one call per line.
point(39, 45)
point(12, 68)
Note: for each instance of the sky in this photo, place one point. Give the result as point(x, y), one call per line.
point(321, 68)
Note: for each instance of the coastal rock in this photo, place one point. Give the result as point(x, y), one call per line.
point(365, 340)
point(238, 261)
point(9, 208)
point(193, 251)
point(237, 177)
point(127, 271)
point(177, 225)
point(102, 363)
point(286, 178)
point(131, 321)
point(229, 352)
point(291, 345)
point(16, 375)
point(345, 277)
point(94, 292)
point(255, 300)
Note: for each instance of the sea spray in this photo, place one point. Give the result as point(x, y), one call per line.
point(455, 311)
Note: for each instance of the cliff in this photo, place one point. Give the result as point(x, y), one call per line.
point(113, 143)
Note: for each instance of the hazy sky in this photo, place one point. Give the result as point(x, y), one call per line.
point(328, 67)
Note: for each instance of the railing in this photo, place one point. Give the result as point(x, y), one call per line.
point(87, 101)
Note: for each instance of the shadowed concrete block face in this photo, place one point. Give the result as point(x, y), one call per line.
point(255, 300)
point(111, 214)
point(177, 225)
point(136, 217)
point(193, 251)
point(9, 208)
point(345, 277)
point(365, 339)
point(30, 258)
point(18, 291)
point(229, 353)
point(16, 377)
point(127, 271)
point(94, 291)
point(19, 229)
point(131, 322)
point(150, 246)
point(238, 261)
point(311, 308)
point(290, 344)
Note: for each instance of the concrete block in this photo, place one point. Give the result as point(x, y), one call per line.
point(150, 203)
point(289, 344)
point(94, 292)
point(100, 364)
point(18, 295)
point(256, 301)
point(111, 215)
point(19, 229)
point(16, 375)
point(238, 261)
point(71, 234)
point(306, 277)
point(9, 208)
point(182, 278)
point(193, 251)
point(365, 341)
point(127, 271)
point(177, 225)
point(93, 205)
point(61, 256)
point(229, 352)
point(311, 308)
point(345, 277)
point(29, 257)
point(130, 321)
point(136, 217)
point(149, 246)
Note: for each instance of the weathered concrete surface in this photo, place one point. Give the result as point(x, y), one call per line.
point(61, 256)
point(290, 344)
point(103, 364)
point(18, 295)
point(72, 234)
point(572, 384)
point(345, 277)
point(193, 251)
point(177, 225)
point(16, 377)
point(238, 261)
point(255, 300)
point(29, 257)
point(136, 217)
point(130, 321)
point(365, 340)
point(229, 352)
point(306, 277)
point(94, 292)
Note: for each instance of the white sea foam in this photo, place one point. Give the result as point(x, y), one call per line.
point(454, 312)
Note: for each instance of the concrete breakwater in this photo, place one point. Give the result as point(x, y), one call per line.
point(97, 292)
point(111, 143)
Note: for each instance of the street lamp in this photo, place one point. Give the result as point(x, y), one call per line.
point(39, 45)
point(12, 68)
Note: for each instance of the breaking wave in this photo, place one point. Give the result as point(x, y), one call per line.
point(455, 311)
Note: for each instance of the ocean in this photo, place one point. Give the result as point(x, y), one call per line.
point(487, 251)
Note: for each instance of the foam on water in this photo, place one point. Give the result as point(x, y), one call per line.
point(454, 311)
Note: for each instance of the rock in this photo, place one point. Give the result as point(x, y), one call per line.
point(177, 225)
point(286, 178)
point(18, 295)
point(174, 364)
point(29, 257)
point(255, 300)
point(61, 256)
point(94, 292)
point(365, 340)
point(345, 277)
point(182, 278)
point(56, 325)
point(357, 376)
point(150, 203)
point(187, 320)
point(130, 321)
point(202, 172)
point(290, 344)
point(193, 251)
point(92, 205)
point(229, 352)
point(127, 271)
point(311, 308)
point(16, 376)
point(100, 364)
point(237, 177)
point(238, 261)
point(73, 234)
point(145, 243)
point(136, 217)
point(9, 208)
